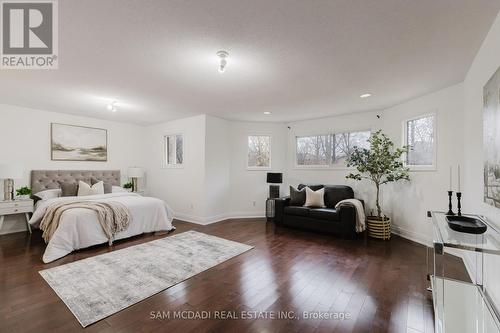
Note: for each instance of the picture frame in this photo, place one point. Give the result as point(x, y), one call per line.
point(78, 143)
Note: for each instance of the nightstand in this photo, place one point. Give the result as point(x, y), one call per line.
point(16, 207)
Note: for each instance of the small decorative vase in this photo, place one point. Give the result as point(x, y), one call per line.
point(379, 228)
point(23, 197)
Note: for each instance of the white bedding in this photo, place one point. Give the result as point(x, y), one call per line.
point(80, 228)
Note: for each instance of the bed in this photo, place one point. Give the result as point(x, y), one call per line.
point(79, 227)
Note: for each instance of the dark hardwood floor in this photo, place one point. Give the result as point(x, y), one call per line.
point(381, 285)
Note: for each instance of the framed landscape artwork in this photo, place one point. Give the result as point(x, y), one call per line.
point(491, 137)
point(78, 143)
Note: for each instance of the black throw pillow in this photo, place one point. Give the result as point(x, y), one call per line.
point(297, 197)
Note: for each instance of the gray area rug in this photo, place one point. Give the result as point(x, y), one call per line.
point(97, 287)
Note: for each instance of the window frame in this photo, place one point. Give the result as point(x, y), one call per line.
point(260, 168)
point(328, 166)
point(166, 165)
point(433, 166)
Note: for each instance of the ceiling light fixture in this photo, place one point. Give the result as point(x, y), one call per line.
point(223, 60)
point(365, 95)
point(267, 112)
point(112, 106)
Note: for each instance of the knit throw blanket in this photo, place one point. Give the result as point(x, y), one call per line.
point(113, 217)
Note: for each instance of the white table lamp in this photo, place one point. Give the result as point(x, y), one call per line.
point(135, 173)
point(9, 172)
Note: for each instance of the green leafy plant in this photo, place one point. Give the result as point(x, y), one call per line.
point(25, 190)
point(381, 164)
point(128, 185)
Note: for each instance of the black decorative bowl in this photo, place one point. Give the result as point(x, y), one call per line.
point(466, 224)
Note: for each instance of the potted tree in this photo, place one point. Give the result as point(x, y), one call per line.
point(382, 164)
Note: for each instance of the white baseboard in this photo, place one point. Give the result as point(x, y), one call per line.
point(412, 235)
point(217, 218)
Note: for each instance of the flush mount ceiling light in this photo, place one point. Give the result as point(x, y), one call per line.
point(112, 106)
point(223, 60)
point(267, 112)
point(365, 95)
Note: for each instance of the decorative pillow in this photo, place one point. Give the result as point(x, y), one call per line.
point(315, 198)
point(85, 189)
point(118, 189)
point(48, 194)
point(107, 186)
point(297, 197)
point(69, 189)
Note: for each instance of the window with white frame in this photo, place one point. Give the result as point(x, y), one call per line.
point(174, 150)
point(328, 150)
point(259, 152)
point(420, 135)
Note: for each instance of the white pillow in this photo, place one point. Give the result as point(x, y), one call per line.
point(85, 189)
point(315, 198)
point(49, 194)
point(118, 189)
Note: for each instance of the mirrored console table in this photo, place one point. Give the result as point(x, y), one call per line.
point(462, 306)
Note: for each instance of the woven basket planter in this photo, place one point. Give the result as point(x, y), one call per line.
point(379, 228)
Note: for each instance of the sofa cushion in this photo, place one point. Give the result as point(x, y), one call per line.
point(336, 193)
point(297, 197)
point(324, 214)
point(312, 187)
point(296, 210)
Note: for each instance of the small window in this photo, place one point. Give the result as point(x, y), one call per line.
point(343, 143)
point(174, 150)
point(420, 139)
point(329, 150)
point(259, 152)
point(313, 150)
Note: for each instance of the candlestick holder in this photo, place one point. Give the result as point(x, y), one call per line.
point(450, 205)
point(459, 206)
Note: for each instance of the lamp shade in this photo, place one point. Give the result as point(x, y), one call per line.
point(274, 177)
point(11, 171)
point(135, 172)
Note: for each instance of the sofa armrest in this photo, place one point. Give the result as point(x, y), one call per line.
point(347, 215)
point(279, 207)
point(362, 202)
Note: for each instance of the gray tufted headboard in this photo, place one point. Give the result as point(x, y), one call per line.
point(50, 179)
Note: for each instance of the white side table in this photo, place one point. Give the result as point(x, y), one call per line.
point(16, 207)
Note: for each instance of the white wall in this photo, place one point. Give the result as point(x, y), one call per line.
point(217, 175)
point(409, 202)
point(214, 184)
point(485, 64)
point(406, 203)
point(25, 138)
point(249, 189)
point(182, 187)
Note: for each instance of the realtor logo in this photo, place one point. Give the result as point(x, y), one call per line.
point(29, 34)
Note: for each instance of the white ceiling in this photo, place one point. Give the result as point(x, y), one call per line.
point(299, 59)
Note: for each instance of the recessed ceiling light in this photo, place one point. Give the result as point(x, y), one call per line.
point(223, 60)
point(112, 106)
point(267, 112)
point(365, 95)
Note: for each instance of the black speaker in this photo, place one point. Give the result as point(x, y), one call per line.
point(274, 191)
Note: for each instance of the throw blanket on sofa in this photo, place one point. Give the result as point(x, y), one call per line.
point(360, 212)
point(113, 217)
